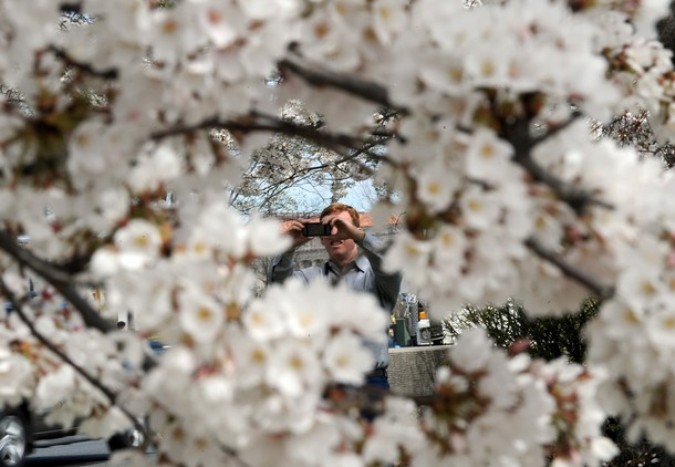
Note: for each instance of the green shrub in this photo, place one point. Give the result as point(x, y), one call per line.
point(549, 338)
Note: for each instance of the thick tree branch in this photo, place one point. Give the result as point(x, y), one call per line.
point(63, 283)
point(600, 290)
point(73, 7)
point(272, 125)
point(109, 74)
point(319, 77)
point(557, 129)
point(17, 308)
point(576, 198)
point(518, 134)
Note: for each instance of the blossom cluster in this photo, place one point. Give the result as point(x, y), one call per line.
point(36, 373)
point(261, 363)
point(495, 409)
point(491, 408)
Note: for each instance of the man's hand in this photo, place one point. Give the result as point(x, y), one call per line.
point(294, 229)
point(342, 230)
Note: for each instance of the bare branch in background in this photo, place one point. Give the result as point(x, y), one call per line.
point(270, 124)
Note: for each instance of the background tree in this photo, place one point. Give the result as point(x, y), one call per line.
point(287, 166)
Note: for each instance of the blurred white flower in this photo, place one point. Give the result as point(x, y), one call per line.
point(346, 359)
point(219, 227)
point(200, 316)
point(308, 315)
point(434, 187)
point(262, 319)
point(54, 387)
point(487, 157)
point(294, 369)
point(397, 428)
point(251, 357)
point(480, 209)
point(17, 380)
point(410, 254)
point(138, 244)
point(105, 424)
point(265, 237)
point(472, 351)
point(153, 168)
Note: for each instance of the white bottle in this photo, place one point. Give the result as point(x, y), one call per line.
point(423, 329)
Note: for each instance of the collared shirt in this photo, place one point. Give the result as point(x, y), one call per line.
point(364, 274)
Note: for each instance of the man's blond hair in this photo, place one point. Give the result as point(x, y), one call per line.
point(337, 208)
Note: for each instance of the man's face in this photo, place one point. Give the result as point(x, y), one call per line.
point(340, 249)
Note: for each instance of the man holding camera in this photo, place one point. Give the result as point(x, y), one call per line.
point(355, 258)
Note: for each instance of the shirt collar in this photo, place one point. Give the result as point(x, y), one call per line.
point(360, 263)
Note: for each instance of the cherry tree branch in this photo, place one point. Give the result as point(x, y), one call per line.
point(74, 7)
point(518, 134)
point(108, 74)
point(63, 283)
point(17, 307)
point(557, 129)
point(319, 77)
point(273, 125)
point(602, 291)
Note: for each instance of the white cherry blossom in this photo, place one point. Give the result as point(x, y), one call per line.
point(17, 374)
point(137, 244)
point(293, 369)
point(346, 359)
point(480, 208)
point(434, 188)
point(153, 168)
point(487, 158)
point(201, 316)
point(263, 320)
